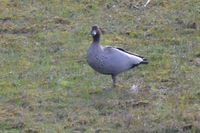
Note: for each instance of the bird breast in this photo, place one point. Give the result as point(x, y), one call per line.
point(97, 61)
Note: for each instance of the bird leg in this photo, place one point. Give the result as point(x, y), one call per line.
point(114, 81)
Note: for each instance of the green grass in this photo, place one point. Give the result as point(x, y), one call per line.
point(46, 85)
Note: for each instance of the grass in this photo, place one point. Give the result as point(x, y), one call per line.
point(46, 85)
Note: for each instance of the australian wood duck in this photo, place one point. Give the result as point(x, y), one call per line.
point(110, 60)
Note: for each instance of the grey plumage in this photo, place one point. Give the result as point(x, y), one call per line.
point(110, 60)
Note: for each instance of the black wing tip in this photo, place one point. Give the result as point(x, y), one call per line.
point(144, 62)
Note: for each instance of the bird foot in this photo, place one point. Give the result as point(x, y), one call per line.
point(106, 89)
point(114, 86)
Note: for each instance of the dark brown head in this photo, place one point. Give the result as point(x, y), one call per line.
point(95, 30)
point(96, 33)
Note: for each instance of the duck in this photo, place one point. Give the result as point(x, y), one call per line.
point(110, 60)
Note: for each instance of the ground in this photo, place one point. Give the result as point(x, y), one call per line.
point(46, 85)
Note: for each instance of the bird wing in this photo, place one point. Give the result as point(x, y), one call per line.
point(123, 50)
point(130, 52)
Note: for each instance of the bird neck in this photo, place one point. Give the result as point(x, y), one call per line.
point(96, 38)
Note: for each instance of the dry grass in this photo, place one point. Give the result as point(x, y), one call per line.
point(46, 85)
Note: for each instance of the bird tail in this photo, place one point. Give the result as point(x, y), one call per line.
point(144, 61)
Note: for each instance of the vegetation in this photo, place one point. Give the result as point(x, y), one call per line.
point(46, 85)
